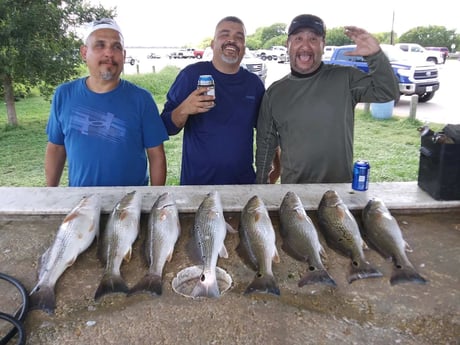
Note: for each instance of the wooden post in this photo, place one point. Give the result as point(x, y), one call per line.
point(367, 107)
point(153, 68)
point(413, 107)
point(137, 68)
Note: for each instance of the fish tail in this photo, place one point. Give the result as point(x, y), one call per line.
point(43, 298)
point(362, 270)
point(111, 284)
point(406, 274)
point(151, 283)
point(206, 287)
point(263, 283)
point(320, 276)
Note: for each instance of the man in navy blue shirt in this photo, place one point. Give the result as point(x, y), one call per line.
point(218, 146)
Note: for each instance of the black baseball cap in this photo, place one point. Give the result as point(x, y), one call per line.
point(307, 21)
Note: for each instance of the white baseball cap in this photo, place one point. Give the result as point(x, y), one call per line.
point(104, 23)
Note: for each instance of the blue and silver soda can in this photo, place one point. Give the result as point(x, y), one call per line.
point(207, 80)
point(361, 171)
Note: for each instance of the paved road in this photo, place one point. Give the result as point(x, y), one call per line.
point(443, 108)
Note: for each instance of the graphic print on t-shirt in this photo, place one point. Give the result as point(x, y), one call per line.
point(96, 123)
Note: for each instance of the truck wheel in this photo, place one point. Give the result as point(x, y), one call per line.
point(433, 59)
point(269, 58)
point(132, 62)
point(425, 97)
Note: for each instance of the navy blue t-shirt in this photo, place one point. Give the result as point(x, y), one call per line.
point(218, 146)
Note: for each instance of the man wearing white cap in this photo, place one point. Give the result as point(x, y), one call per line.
point(107, 128)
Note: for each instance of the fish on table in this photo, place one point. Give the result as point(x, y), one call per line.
point(341, 232)
point(301, 241)
point(116, 243)
point(207, 244)
point(75, 234)
point(163, 231)
point(381, 232)
point(257, 246)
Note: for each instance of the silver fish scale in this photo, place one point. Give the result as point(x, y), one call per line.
point(210, 233)
point(121, 231)
point(260, 235)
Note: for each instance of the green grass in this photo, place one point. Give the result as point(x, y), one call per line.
point(391, 146)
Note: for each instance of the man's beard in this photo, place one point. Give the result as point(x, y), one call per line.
point(107, 75)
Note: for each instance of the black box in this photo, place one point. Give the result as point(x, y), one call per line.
point(439, 169)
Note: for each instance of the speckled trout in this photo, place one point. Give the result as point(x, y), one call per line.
point(341, 232)
point(300, 240)
point(75, 234)
point(382, 233)
point(116, 243)
point(257, 246)
point(163, 231)
point(207, 244)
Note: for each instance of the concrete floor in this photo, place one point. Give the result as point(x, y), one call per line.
point(367, 311)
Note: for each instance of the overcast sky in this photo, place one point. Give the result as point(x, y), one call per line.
point(187, 22)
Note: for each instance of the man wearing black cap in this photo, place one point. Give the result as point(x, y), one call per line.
point(310, 111)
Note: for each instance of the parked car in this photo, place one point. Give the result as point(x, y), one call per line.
point(254, 65)
point(415, 76)
point(443, 50)
point(131, 60)
point(417, 51)
point(153, 56)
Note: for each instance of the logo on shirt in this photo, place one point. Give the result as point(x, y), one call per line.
point(95, 123)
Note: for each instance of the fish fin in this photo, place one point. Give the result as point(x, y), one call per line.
point(150, 283)
point(276, 257)
point(314, 275)
point(223, 252)
point(407, 247)
point(42, 297)
point(111, 284)
point(291, 252)
point(128, 254)
point(365, 246)
point(322, 253)
point(406, 274)
point(170, 255)
point(362, 270)
point(230, 228)
point(206, 287)
point(263, 284)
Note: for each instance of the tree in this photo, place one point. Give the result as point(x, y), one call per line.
point(430, 36)
point(337, 37)
point(39, 43)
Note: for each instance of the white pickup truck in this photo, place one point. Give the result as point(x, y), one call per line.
point(416, 50)
point(276, 53)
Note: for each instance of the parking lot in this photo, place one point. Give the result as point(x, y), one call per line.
point(441, 109)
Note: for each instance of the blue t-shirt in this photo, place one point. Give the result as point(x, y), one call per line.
point(105, 135)
point(218, 146)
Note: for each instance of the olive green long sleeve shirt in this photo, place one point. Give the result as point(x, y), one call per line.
point(312, 119)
